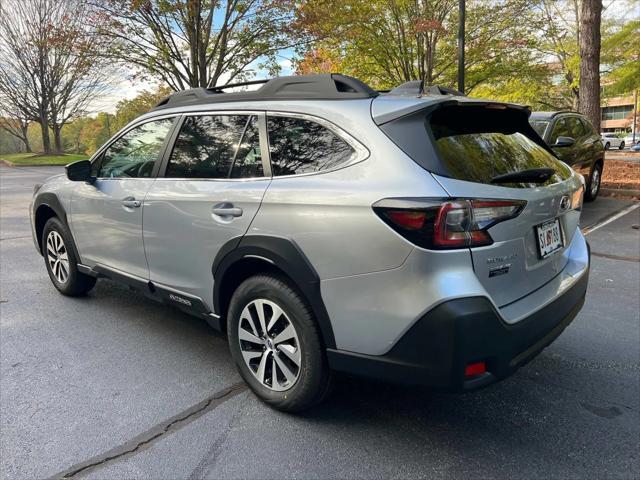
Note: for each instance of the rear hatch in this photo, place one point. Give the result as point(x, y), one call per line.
point(487, 157)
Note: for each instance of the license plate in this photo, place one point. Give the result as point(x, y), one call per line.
point(549, 237)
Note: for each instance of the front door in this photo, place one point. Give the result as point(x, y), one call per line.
point(106, 215)
point(207, 194)
point(567, 153)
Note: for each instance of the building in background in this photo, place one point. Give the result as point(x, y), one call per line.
point(618, 114)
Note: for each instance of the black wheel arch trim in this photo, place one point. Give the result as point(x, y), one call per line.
point(51, 201)
point(284, 254)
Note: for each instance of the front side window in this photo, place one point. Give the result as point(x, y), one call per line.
point(561, 129)
point(576, 128)
point(134, 154)
point(217, 146)
point(302, 146)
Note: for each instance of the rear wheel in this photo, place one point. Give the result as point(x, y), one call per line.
point(621, 147)
point(593, 185)
point(61, 262)
point(276, 344)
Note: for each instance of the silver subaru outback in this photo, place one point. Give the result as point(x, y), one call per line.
point(414, 236)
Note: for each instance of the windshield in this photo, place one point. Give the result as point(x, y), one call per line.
point(540, 126)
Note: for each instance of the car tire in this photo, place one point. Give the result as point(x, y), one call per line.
point(61, 262)
point(607, 146)
point(285, 315)
point(593, 185)
point(621, 147)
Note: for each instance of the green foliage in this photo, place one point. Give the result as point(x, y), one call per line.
point(128, 110)
point(86, 134)
point(25, 159)
point(621, 56)
point(388, 42)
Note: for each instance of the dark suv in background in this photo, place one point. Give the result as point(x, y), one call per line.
point(575, 141)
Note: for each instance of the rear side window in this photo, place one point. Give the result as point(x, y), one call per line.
point(302, 146)
point(217, 146)
point(479, 145)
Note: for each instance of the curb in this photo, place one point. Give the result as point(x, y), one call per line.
point(627, 192)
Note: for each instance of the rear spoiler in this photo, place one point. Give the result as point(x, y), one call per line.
point(429, 104)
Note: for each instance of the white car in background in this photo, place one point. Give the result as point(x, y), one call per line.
point(611, 140)
point(628, 140)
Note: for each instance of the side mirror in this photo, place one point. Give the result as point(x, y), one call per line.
point(79, 171)
point(564, 142)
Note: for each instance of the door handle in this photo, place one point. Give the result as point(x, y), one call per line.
point(226, 210)
point(131, 202)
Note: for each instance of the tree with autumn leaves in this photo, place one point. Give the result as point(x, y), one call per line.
point(58, 56)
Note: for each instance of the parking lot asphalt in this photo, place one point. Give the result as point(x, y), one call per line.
point(116, 386)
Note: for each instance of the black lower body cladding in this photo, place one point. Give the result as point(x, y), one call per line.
point(457, 333)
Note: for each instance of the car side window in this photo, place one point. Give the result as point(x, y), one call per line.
point(217, 146)
point(560, 129)
point(588, 128)
point(303, 146)
point(134, 154)
point(575, 127)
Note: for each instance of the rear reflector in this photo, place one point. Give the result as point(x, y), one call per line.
point(438, 224)
point(475, 369)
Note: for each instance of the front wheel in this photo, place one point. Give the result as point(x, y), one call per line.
point(607, 146)
point(61, 262)
point(276, 344)
point(593, 185)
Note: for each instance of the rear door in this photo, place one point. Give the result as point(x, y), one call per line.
point(476, 146)
point(209, 189)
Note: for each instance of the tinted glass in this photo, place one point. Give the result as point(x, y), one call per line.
point(540, 126)
point(248, 160)
point(301, 146)
point(477, 149)
point(217, 146)
point(588, 128)
point(560, 129)
point(134, 154)
point(575, 127)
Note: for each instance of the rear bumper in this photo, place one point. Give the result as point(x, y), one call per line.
point(438, 347)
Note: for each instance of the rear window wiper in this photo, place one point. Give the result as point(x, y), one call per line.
point(532, 175)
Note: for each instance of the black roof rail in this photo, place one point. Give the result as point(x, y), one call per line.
point(331, 86)
point(417, 87)
point(220, 88)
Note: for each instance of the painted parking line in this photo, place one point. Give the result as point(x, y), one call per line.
point(592, 228)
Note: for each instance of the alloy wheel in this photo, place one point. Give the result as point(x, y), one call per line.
point(57, 256)
point(269, 344)
point(595, 182)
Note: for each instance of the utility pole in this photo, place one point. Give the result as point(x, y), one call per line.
point(461, 21)
point(634, 127)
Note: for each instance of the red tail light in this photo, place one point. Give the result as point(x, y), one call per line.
point(475, 369)
point(447, 224)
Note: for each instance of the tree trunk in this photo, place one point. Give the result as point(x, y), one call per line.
point(589, 101)
point(46, 141)
point(57, 138)
point(25, 138)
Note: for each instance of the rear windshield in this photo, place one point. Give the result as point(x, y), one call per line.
point(475, 143)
